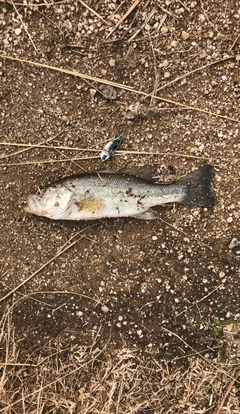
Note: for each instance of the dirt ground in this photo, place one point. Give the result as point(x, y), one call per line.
point(160, 286)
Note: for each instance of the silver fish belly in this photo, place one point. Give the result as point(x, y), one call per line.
point(104, 194)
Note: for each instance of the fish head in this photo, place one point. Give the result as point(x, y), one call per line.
point(105, 155)
point(54, 202)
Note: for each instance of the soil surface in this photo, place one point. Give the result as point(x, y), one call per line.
point(126, 282)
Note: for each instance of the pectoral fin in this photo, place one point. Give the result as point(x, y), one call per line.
point(147, 215)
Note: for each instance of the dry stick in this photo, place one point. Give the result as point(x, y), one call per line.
point(29, 148)
point(118, 85)
point(15, 144)
point(171, 154)
point(232, 46)
point(185, 7)
point(154, 92)
point(168, 12)
point(199, 354)
point(185, 234)
point(34, 4)
point(148, 18)
point(24, 26)
point(193, 71)
point(200, 300)
point(15, 164)
point(39, 270)
point(124, 17)
point(209, 21)
point(226, 395)
point(93, 12)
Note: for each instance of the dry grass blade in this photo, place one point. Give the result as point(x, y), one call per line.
point(24, 26)
point(123, 17)
point(30, 147)
point(96, 381)
point(148, 18)
point(226, 395)
point(185, 234)
point(48, 161)
point(35, 4)
point(93, 11)
point(172, 154)
point(39, 269)
point(199, 354)
point(195, 70)
point(200, 300)
point(121, 86)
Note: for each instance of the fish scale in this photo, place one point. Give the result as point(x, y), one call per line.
point(96, 195)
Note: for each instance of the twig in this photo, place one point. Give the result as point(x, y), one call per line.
point(168, 12)
point(184, 5)
point(232, 46)
point(40, 269)
point(124, 17)
point(24, 26)
point(48, 161)
point(185, 234)
point(209, 21)
point(193, 71)
point(93, 12)
point(119, 85)
point(34, 4)
point(175, 154)
point(200, 300)
point(154, 92)
point(148, 18)
point(226, 394)
point(29, 148)
point(199, 354)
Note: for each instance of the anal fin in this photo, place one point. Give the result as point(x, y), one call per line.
point(147, 215)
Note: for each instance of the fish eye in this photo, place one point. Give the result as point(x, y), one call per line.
point(105, 157)
point(40, 191)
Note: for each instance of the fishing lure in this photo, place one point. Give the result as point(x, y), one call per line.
point(110, 148)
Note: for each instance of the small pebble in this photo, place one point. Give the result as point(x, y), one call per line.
point(112, 63)
point(18, 31)
point(174, 43)
point(203, 54)
point(154, 237)
point(104, 72)
point(108, 92)
point(201, 18)
point(234, 243)
point(185, 35)
point(105, 309)
point(164, 29)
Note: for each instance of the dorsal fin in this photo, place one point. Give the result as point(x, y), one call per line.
point(146, 172)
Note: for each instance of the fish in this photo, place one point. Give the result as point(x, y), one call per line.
point(110, 148)
point(95, 195)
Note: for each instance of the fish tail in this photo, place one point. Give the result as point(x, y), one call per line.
point(198, 187)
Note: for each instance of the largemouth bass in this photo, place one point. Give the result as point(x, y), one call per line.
point(96, 195)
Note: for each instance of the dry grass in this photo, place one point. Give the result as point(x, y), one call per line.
point(124, 87)
point(92, 380)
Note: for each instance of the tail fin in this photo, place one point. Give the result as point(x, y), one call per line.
point(198, 187)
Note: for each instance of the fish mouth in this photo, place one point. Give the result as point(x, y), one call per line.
point(34, 207)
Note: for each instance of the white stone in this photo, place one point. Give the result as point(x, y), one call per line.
point(18, 31)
